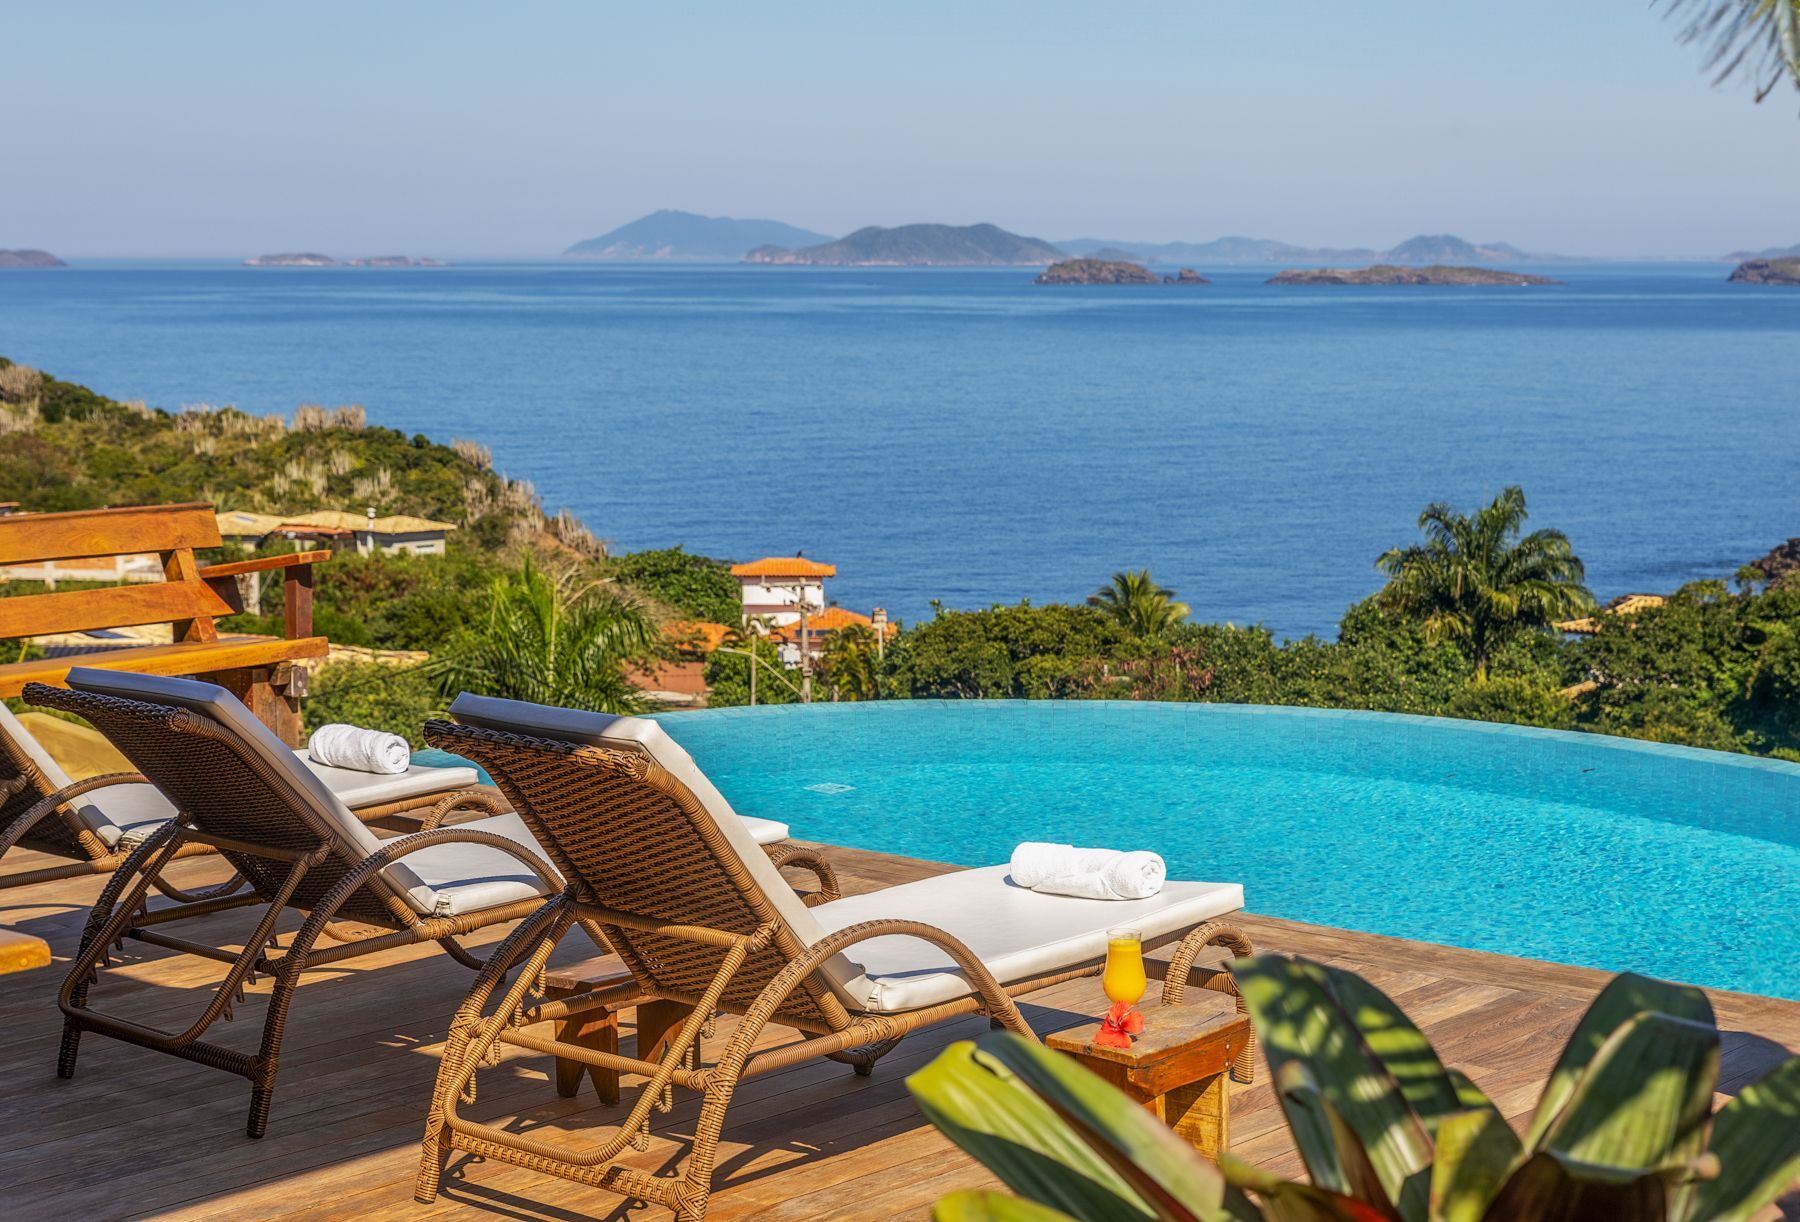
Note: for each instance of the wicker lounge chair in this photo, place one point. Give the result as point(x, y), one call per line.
point(246, 795)
point(118, 811)
point(704, 925)
point(96, 822)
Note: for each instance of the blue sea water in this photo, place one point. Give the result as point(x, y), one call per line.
point(968, 437)
point(1574, 848)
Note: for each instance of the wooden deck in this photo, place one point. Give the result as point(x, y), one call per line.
point(141, 1134)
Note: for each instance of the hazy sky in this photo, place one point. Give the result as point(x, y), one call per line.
point(484, 129)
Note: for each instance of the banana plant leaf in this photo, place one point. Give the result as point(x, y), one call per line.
point(976, 1205)
point(1625, 997)
point(1756, 1138)
point(1058, 1135)
point(1551, 1188)
point(1476, 1151)
point(1400, 1046)
point(1645, 1098)
point(1292, 1201)
point(1299, 1019)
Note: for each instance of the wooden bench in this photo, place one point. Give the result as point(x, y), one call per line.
point(259, 670)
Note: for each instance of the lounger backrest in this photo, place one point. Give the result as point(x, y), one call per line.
point(227, 770)
point(631, 820)
point(30, 774)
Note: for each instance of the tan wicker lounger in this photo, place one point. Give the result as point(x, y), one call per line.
point(701, 920)
point(244, 794)
point(96, 822)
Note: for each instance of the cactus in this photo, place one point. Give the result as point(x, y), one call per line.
point(1625, 1128)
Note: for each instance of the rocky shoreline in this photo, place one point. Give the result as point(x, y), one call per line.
point(1767, 271)
point(1112, 271)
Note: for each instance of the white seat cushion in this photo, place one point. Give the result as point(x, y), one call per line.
point(1018, 933)
point(124, 815)
point(764, 831)
point(127, 814)
point(355, 788)
point(451, 879)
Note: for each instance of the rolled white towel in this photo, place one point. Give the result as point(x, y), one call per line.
point(342, 746)
point(1095, 874)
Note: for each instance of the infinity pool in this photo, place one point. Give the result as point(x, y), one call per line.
point(1576, 848)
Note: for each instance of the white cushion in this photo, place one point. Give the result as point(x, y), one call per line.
point(451, 879)
point(764, 831)
point(1016, 932)
point(304, 788)
point(355, 788)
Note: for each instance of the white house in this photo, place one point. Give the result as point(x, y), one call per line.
point(775, 588)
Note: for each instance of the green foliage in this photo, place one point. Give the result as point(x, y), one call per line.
point(1756, 39)
point(851, 666)
point(1004, 652)
point(550, 640)
point(1516, 701)
point(696, 587)
point(1625, 1128)
point(1476, 581)
point(70, 448)
point(1138, 605)
point(375, 695)
point(1706, 669)
point(728, 673)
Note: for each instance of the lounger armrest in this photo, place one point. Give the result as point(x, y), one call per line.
point(394, 850)
point(296, 588)
point(472, 799)
point(995, 1000)
point(784, 855)
point(59, 801)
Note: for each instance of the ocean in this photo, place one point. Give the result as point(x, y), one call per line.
point(965, 437)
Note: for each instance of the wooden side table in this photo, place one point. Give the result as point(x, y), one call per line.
point(1177, 1067)
point(598, 1028)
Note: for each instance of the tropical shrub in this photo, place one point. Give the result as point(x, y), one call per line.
point(397, 699)
point(1625, 1128)
point(1477, 581)
point(696, 587)
point(550, 640)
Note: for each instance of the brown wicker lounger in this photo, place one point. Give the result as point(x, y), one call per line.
point(702, 921)
point(244, 794)
point(96, 822)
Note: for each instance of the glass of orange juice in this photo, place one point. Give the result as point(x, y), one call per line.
point(1123, 979)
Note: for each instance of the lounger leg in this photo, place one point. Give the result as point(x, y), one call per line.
point(538, 933)
point(105, 924)
point(1175, 982)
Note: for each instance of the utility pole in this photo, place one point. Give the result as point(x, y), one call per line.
point(805, 651)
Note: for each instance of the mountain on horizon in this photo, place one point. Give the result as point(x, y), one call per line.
point(671, 235)
point(917, 246)
point(1773, 252)
point(1425, 249)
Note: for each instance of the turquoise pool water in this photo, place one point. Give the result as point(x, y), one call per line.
point(1575, 848)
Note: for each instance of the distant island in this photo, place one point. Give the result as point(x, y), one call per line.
point(918, 246)
point(1387, 273)
point(1425, 249)
point(299, 259)
point(1773, 252)
point(1112, 271)
point(308, 259)
point(395, 261)
point(29, 258)
point(1767, 271)
point(687, 236)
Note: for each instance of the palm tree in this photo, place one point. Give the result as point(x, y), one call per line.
point(851, 665)
point(1759, 39)
point(1476, 581)
point(1138, 604)
point(548, 641)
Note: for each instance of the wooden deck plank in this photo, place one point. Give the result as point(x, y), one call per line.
point(809, 1141)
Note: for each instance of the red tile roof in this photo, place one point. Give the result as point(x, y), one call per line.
point(784, 566)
